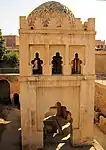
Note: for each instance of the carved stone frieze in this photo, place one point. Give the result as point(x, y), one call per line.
point(58, 83)
point(45, 18)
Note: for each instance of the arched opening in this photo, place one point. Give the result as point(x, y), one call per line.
point(16, 100)
point(5, 92)
point(57, 126)
point(57, 64)
point(37, 64)
point(76, 64)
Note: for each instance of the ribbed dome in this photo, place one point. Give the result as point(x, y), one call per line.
point(50, 7)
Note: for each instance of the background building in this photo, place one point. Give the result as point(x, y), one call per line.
point(100, 45)
point(12, 42)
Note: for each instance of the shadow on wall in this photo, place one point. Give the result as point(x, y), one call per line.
point(58, 126)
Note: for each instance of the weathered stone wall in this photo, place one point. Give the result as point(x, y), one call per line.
point(100, 97)
point(100, 60)
point(100, 102)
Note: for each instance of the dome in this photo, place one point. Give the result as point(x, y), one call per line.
point(51, 8)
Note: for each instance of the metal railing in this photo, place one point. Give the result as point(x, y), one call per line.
point(9, 70)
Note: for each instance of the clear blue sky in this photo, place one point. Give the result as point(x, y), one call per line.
point(10, 10)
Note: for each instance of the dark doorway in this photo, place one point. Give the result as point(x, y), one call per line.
point(4, 92)
point(16, 100)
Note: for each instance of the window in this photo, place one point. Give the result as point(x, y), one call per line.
point(57, 64)
point(102, 46)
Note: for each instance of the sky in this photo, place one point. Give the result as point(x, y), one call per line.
point(10, 10)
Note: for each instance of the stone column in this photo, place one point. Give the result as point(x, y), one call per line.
point(32, 123)
point(90, 108)
point(86, 112)
point(47, 67)
point(83, 109)
point(25, 114)
point(36, 137)
point(66, 66)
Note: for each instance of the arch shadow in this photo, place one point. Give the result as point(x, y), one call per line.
point(4, 92)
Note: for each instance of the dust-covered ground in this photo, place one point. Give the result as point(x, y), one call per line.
point(10, 137)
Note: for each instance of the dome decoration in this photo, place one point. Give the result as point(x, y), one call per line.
point(49, 10)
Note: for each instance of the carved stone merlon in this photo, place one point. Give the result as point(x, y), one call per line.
point(91, 24)
point(85, 26)
point(23, 22)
